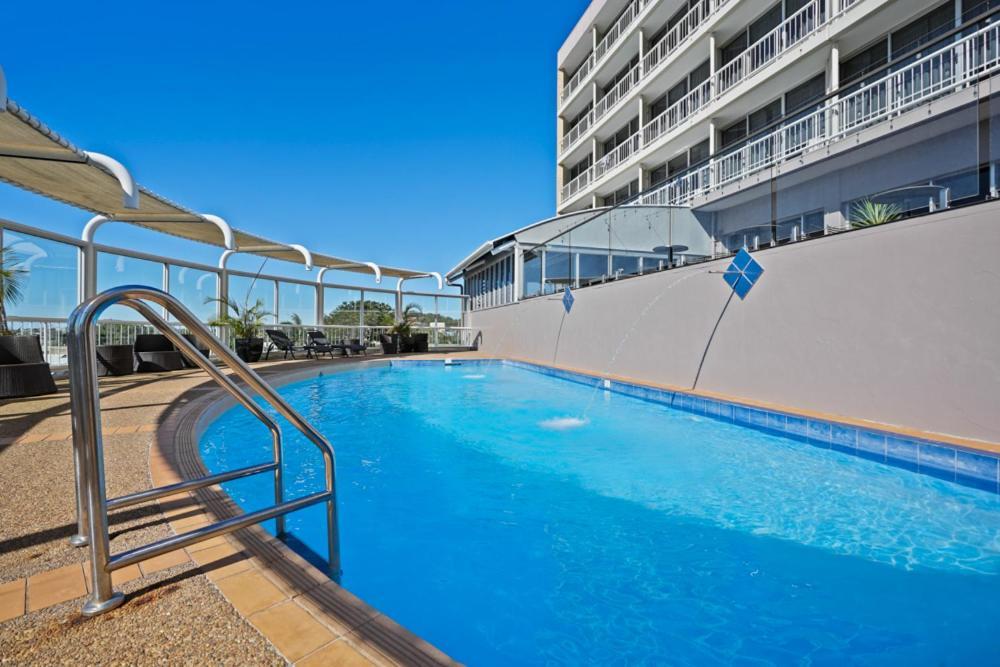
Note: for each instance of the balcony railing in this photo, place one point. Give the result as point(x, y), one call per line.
point(787, 34)
point(619, 155)
point(577, 79)
point(577, 184)
point(577, 131)
point(52, 334)
point(617, 92)
point(677, 112)
point(944, 71)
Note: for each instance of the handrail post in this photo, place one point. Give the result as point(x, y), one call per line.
point(81, 349)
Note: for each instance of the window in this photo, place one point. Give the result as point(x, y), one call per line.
point(343, 306)
point(114, 270)
point(806, 93)
point(624, 265)
point(731, 50)
point(622, 194)
point(764, 116)
point(193, 287)
point(593, 268)
point(580, 116)
point(658, 175)
point(677, 92)
point(700, 74)
point(932, 24)
point(532, 274)
point(698, 152)
point(677, 164)
point(50, 287)
point(296, 303)
point(558, 271)
point(734, 133)
point(580, 167)
point(621, 136)
point(864, 61)
point(658, 106)
point(765, 24)
point(622, 74)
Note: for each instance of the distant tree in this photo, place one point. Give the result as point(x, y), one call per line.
point(377, 314)
point(294, 319)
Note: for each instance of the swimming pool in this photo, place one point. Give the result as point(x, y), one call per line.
point(511, 517)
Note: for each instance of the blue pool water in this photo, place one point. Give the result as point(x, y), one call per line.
point(513, 518)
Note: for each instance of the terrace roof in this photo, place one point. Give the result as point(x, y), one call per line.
point(36, 158)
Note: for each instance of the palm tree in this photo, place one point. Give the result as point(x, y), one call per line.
point(12, 280)
point(244, 321)
point(294, 320)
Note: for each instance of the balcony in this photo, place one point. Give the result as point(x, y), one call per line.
point(577, 131)
point(677, 113)
point(604, 46)
point(947, 70)
point(618, 92)
point(791, 32)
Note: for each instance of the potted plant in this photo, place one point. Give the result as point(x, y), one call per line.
point(23, 371)
point(245, 323)
point(867, 213)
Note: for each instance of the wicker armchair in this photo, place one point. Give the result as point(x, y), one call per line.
point(23, 371)
point(155, 353)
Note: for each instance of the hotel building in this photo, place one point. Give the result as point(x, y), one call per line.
point(691, 129)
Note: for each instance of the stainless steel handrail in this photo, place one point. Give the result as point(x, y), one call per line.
point(88, 448)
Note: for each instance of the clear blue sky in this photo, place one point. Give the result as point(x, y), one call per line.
point(401, 132)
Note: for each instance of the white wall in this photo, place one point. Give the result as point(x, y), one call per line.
point(898, 324)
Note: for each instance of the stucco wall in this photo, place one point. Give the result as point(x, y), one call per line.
point(898, 324)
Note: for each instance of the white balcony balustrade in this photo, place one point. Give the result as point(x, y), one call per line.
point(944, 71)
point(577, 131)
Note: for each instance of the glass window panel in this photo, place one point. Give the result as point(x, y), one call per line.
point(419, 310)
point(342, 306)
point(380, 309)
point(557, 271)
point(193, 287)
point(246, 291)
point(116, 270)
point(624, 265)
point(593, 268)
point(532, 274)
point(50, 287)
point(449, 311)
point(296, 303)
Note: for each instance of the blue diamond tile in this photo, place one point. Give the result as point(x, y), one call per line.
point(731, 276)
point(568, 300)
point(742, 259)
point(742, 287)
point(753, 271)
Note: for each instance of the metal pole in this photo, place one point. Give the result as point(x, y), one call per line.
point(86, 401)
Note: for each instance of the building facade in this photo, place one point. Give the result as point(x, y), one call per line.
point(769, 122)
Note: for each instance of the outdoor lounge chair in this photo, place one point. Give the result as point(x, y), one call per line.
point(356, 346)
point(154, 353)
point(320, 344)
point(23, 371)
point(281, 341)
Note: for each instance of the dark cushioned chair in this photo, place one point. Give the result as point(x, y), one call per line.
point(154, 353)
point(23, 371)
point(389, 344)
point(419, 342)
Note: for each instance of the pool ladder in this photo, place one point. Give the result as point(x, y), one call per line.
point(88, 449)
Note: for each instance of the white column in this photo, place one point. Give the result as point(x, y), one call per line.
point(518, 271)
point(713, 64)
point(319, 303)
point(832, 85)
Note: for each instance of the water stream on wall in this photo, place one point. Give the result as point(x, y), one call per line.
point(625, 338)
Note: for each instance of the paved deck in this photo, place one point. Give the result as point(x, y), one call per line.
point(238, 599)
